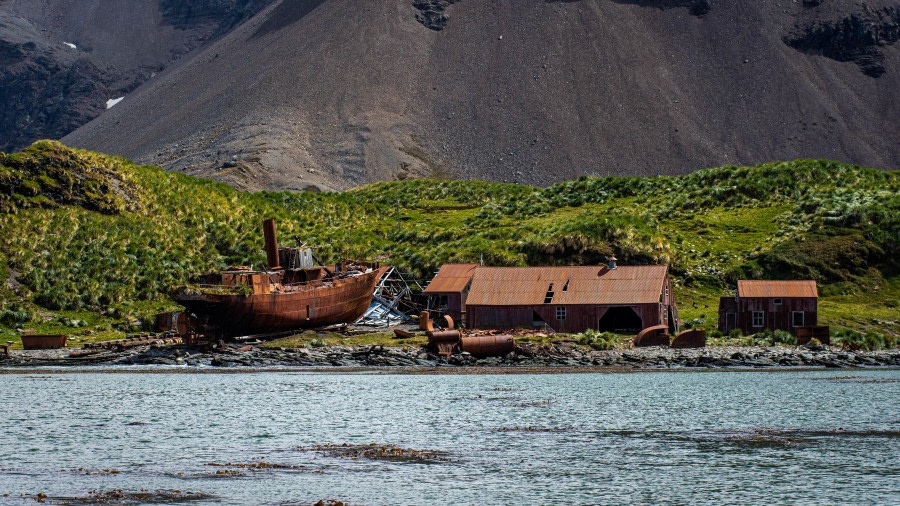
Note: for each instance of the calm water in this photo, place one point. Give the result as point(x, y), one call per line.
point(637, 438)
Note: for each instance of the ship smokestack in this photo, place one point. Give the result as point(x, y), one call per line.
point(271, 244)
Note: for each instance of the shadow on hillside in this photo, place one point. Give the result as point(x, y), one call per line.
point(288, 13)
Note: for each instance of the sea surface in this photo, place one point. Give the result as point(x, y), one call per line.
point(820, 437)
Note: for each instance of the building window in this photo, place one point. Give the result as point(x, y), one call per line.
point(561, 313)
point(797, 318)
point(777, 302)
point(759, 319)
point(667, 293)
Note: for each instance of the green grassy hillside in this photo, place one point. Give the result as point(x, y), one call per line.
point(90, 242)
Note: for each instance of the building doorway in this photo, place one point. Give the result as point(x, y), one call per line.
point(730, 322)
point(620, 319)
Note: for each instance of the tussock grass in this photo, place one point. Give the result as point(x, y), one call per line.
point(98, 235)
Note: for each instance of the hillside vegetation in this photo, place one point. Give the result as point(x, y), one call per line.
point(94, 242)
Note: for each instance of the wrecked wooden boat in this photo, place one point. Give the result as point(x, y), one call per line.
point(300, 295)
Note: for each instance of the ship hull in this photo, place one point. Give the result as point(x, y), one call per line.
point(311, 307)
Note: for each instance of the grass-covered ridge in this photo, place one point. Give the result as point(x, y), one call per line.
point(91, 237)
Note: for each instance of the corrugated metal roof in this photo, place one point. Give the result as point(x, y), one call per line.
point(451, 278)
point(785, 289)
point(528, 286)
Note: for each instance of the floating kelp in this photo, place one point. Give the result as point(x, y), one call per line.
point(857, 379)
point(118, 496)
point(256, 466)
point(83, 470)
point(817, 433)
point(378, 452)
point(533, 429)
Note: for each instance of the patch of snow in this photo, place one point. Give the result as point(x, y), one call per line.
point(113, 101)
point(73, 46)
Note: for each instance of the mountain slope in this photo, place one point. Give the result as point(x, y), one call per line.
point(335, 93)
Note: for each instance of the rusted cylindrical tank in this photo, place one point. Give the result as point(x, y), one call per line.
point(488, 346)
point(271, 244)
point(444, 342)
point(443, 336)
point(425, 322)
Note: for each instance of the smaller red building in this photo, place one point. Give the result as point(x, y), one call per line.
point(448, 290)
point(773, 305)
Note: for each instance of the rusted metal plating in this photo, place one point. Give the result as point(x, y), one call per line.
point(693, 338)
point(43, 341)
point(657, 335)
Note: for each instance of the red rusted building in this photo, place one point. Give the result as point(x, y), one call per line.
point(571, 299)
point(773, 305)
point(448, 290)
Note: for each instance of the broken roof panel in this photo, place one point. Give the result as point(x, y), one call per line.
point(785, 289)
point(451, 278)
point(528, 286)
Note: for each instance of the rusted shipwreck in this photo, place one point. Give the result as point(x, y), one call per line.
point(291, 294)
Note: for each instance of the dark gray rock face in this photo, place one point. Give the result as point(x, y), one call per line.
point(45, 95)
point(860, 37)
point(49, 88)
point(432, 13)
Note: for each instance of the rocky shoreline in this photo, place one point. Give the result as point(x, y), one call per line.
point(552, 356)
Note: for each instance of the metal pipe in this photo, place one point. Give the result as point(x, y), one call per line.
point(271, 244)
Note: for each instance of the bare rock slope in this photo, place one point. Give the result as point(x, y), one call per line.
point(313, 94)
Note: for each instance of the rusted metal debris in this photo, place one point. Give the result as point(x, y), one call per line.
point(44, 341)
point(693, 338)
point(447, 342)
point(657, 335)
point(166, 339)
point(403, 334)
